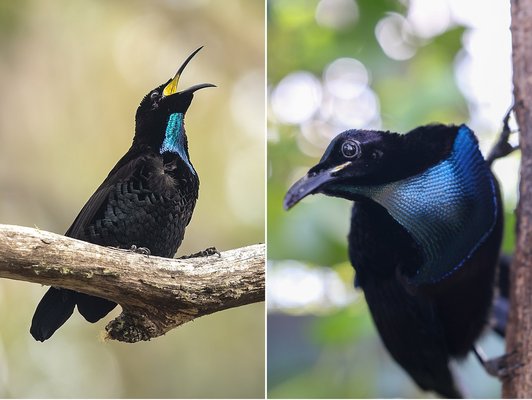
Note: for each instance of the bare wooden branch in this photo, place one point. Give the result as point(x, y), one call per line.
point(156, 294)
point(518, 384)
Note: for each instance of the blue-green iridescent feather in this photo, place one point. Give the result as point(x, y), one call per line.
point(174, 139)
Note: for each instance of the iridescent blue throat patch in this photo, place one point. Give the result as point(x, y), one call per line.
point(174, 139)
point(449, 210)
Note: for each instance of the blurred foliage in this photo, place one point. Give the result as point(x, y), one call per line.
point(71, 77)
point(314, 46)
point(338, 354)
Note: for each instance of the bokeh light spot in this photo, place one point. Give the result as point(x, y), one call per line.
point(346, 78)
point(298, 287)
point(296, 98)
point(392, 33)
point(336, 14)
point(429, 18)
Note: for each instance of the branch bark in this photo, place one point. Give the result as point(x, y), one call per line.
point(519, 330)
point(156, 294)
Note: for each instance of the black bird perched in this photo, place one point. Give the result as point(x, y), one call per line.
point(426, 229)
point(146, 201)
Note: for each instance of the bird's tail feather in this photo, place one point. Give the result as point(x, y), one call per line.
point(53, 310)
point(93, 308)
point(57, 306)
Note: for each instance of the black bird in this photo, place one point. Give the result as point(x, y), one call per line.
point(426, 229)
point(146, 201)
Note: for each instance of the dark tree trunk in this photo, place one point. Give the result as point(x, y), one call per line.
point(519, 330)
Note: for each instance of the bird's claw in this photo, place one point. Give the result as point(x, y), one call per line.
point(501, 367)
point(140, 250)
point(502, 148)
point(210, 251)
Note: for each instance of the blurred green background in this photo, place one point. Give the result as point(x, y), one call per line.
point(71, 77)
point(371, 64)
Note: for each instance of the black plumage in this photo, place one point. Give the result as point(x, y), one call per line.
point(423, 320)
point(501, 304)
point(146, 201)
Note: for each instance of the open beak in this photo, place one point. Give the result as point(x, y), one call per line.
point(171, 88)
point(311, 184)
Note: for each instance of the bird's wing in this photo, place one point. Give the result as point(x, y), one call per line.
point(126, 167)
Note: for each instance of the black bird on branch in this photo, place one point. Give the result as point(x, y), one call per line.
point(426, 230)
point(146, 201)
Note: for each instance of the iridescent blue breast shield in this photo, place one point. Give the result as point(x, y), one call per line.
point(449, 210)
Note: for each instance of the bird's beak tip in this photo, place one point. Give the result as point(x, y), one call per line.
point(286, 204)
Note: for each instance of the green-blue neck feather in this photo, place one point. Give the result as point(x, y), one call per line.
point(174, 139)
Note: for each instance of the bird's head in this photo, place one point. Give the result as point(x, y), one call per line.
point(160, 115)
point(357, 158)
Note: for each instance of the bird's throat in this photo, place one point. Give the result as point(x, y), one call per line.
point(175, 140)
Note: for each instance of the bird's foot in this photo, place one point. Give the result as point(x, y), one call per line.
point(134, 248)
point(498, 367)
point(210, 251)
point(503, 147)
point(503, 366)
point(140, 250)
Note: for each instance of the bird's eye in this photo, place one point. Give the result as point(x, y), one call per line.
point(351, 149)
point(154, 95)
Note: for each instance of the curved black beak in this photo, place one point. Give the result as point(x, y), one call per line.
point(171, 88)
point(192, 89)
point(311, 184)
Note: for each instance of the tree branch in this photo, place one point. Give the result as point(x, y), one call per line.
point(156, 294)
point(519, 330)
